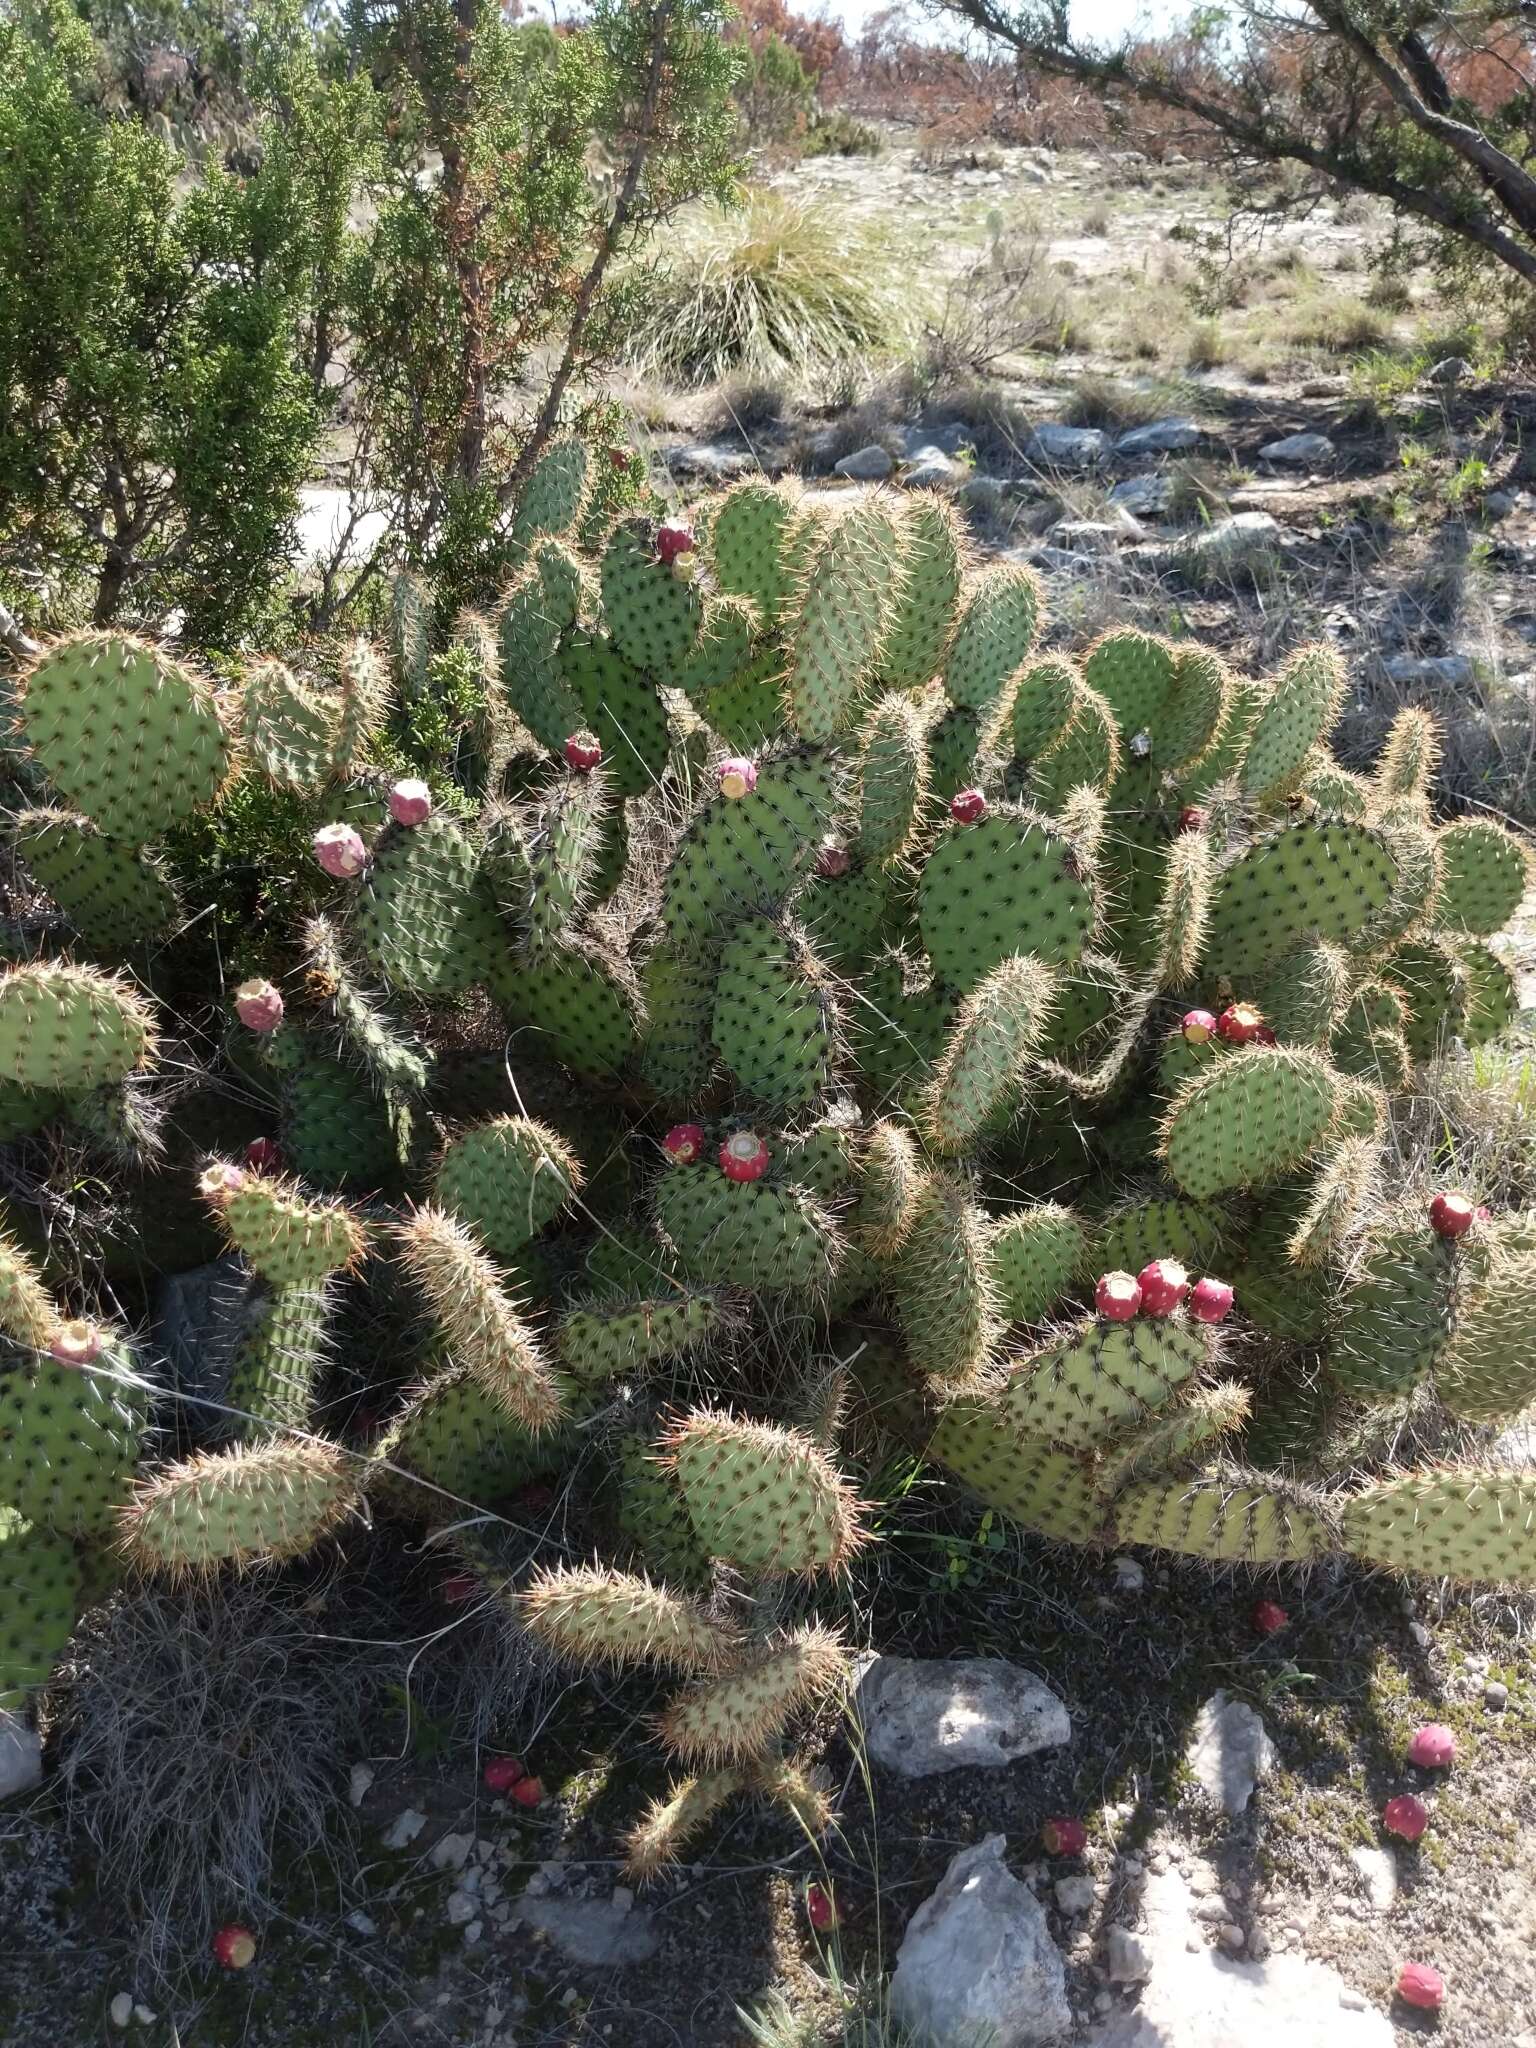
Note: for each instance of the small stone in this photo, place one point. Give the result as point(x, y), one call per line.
point(1298, 450)
point(1378, 1874)
point(451, 1852)
point(1229, 1752)
point(1055, 446)
point(460, 1909)
point(360, 1782)
point(1131, 1867)
point(1088, 536)
point(473, 1932)
point(1237, 542)
point(121, 2009)
point(1420, 1634)
point(1449, 671)
point(622, 1898)
point(1128, 1574)
point(362, 1923)
point(923, 1716)
point(404, 1829)
point(595, 1933)
point(21, 1755)
point(1143, 497)
point(1102, 2002)
point(1232, 1937)
point(1452, 370)
point(1159, 437)
point(1500, 504)
point(144, 2015)
point(1075, 1895)
point(1496, 1695)
point(867, 465)
point(1127, 1957)
point(930, 468)
point(1353, 2001)
point(1211, 1912)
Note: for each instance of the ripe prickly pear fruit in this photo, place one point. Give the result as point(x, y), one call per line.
point(737, 776)
point(528, 1791)
point(1452, 1214)
point(1405, 1816)
point(684, 1143)
point(1211, 1300)
point(1240, 1023)
point(1192, 819)
point(1117, 1296)
point(220, 1179)
point(1433, 1746)
point(459, 1587)
point(75, 1343)
point(672, 541)
point(1421, 1984)
point(234, 1947)
point(821, 1909)
point(583, 751)
point(744, 1156)
point(1198, 1027)
point(1064, 1836)
point(1265, 1035)
point(502, 1773)
point(1268, 1617)
point(259, 1005)
point(410, 801)
point(1164, 1283)
point(967, 806)
point(264, 1155)
point(832, 859)
point(340, 851)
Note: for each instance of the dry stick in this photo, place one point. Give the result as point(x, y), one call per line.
point(623, 208)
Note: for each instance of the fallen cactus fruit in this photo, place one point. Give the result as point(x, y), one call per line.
point(1422, 1985)
point(503, 1774)
point(1268, 1617)
point(234, 1947)
point(583, 752)
point(737, 777)
point(1240, 1024)
point(259, 1005)
point(821, 1909)
point(1198, 1026)
point(1064, 1836)
point(1433, 1747)
point(528, 1791)
point(1405, 1816)
point(684, 1143)
point(340, 851)
point(410, 801)
point(744, 1156)
point(1164, 1285)
point(1211, 1300)
point(968, 807)
point(1452, 1215)
point(1117, 1296)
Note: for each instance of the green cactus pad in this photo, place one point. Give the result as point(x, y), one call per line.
point(1396, 1314)
point(1086, 755)
point(153, 748)
point(69, 1436)
point(1484, 875)
point(724, 647)
point(772, 1019)
point(1334, 790)
point(651, 1514)
point(1223, 758)
point(1409, 757)
point(590, 1615)
point(606, 1340)
point(739, 1716)
point(1487, 1374)
point(677, 1057)
point(336, 1131)
point(382, 1043)
point(1037, 1487)
point(841, 612)
point(1432, 981)
point(1036, 1255)
point(66, 1029)
point(848, 917)
point(454, 1435)
point(619, 705)
point(923, 618)
point(747, 1233)
point(1300, 712)
point(1133, 673)
point(1248, 1120)
point(424, 918)
point(985, 1063)
point(942, 1284)
point(24, 1110)
point(114, 897)
point(555, 494)
point(1043, 704)
point(996, 634)
point(1490, 1000)
point(563, 853)
point(468, 1295)
point(1469, 1525)
point(278, 1360)
point(584, 1008)
point(39, 1598)
point(27, 1310)
point(528, 635)
point(1157, 1446)
point(506, 1179)
point(748, 535)
point(1158, 1229)
point(954, 740)
point(893, 778)
point(764, 1499)
point(1304, 992)
point(738, 854)
point(652, 613)
point(748, 708)
point(890, 1184)
point(1237, 1519)
point(285, 1237)
point(1322, 878)
point(1006, 885)
point(291, 730)
point(1080, 1390)
point(248, 1505)
point(410, 631)
point(821, 1160)
point(1192, 712)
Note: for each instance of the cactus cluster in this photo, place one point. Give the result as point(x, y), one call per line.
point(794, 992)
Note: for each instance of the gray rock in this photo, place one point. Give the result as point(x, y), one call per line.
point(1074, 1895)
point(451, 1852)
point(195, 1327)
point(948, 439)
point(1496, 1695)
point(595, 1932)
point(1055, 561)
point(1089, 536)
point(1127, 1957)
point(1449, 671)
point(1229, 1751)
point(1159, 437)
point(360, 1782)
point(1128, 1573)
point(1378, 1874)
point(1054, 446)
point(1500, 504)
point(120, 2011)
point(923, 1716)
point(931, 468)
point(1144, 497)
point(1236, 543)
point(1452, 370)
point(1195, 1996)
point(461, 1908)
point(707, 458)
point(362, 1923)
point(403, 1829)
point(977, 1960)
point(867, 465)
point(21, 1755)
point(1299, 451)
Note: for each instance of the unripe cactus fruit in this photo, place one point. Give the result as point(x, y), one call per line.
point(1405, 1816)
point(684, 1143)
point(1164, 1284)
point(410, 801)
point(234, 1947)
point(75, 1343)
point(744, 1156)
point(1063, 1835)
point(1433, 1747)
point(1451, 1215)
point(1117, 1297)
point(1210, 1300)
point(1198, 1027)
point(340, 851)
point(672, 541)
point(1422, 1985)
point(259, 1005)
point(1240, 1024)
point(583, 752)
point(967, 806)
point(737, 776)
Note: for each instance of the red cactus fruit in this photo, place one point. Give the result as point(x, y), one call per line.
point(1192, 819)
point(1268, 1617)
point(1117, 1296)
point(1240, 1023)
point(684, 1143)
point(528, 1791)
point(503, 1774)
point(744, 1156)
point(259, 1005)
point(1452, 1214)
point(1164, 1285)
point(1211, 1300)
point(340, 851)
point(410, 801)
point(1265, 1035)
point(1421, 1984)
point(968, 807)
point(1405, 1816)
point(821, 1909)
point(75, 1343)
point(264, 1155)
point(1198, 1026)
point(832, 859)
point(234, 1947)
point(1433, 1746)
point(1064, 1836)
point(583, 751)
point(459, 1587)
point(737, 775)
point(672, 541)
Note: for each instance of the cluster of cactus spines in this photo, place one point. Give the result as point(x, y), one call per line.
point(872, 980)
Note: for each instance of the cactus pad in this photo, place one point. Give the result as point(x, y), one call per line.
point(738, 1716)
point(762, 1498)
point(772, 1021)
point(1036, 1255)
point(993, 642)
point(602, 1340)
point(1396, 1314)
point(284, 1236)
point(39, 1596)
point(1247, 1120)
point(1484, 874)
point(1080, 1390)
point(923, 619)
point(114, 897)
point(1037, 1487)
point(506, 1179)
point(653, 615)
point(942, 1284)
point(840, 616)
point(249, 1505)
point(747, 1233)
point(1237, 1519)
point(621, 706)
point(1301, 711)
point(69, 1436)
point(1469, 1525)
point(1133, 673)
point(592, 1616)
point(67, 1029)
point(1007, 885)
point(985, 1063)
point(466, 1294)
point(425, 920)
point(1323, 878)
point(740, 853)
